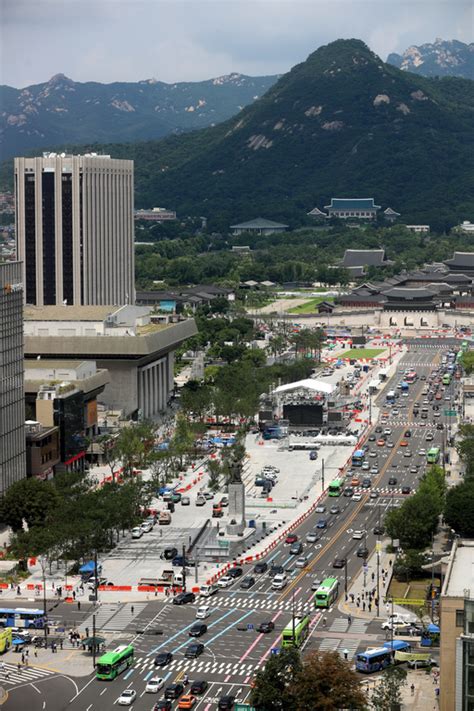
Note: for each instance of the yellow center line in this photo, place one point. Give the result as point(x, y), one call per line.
point(357, 510)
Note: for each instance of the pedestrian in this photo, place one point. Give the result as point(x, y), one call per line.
point(60, 643)
point(79, 605)
point(22, 657)
point(87, 631)
point(27, 652)
point(132, 609)
point(349, 619)
point(387, 607)
point(19, 667)
point(362, 596)
point(363, 606)
point(52, 584)
point(7, 674)
point(73, 594)
point(185, 679)
point(352, 598)
point(18, 591)
point(324, 621)
point(383, 572)
point(370, 607)
point(390, 562)
point(373, 577)
point(358, 603)
point(35, 652)
point(376, 602)
point(412, 688)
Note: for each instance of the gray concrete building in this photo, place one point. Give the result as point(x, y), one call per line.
point(137, 351)
point(74, 229)
point(12, 400)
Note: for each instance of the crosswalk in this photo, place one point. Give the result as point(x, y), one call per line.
point(384, 491)
point(262, 602)
point(196, 667)
point(10, 674)
point(113, 617)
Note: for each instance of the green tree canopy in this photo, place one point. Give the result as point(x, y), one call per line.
point(459, 509)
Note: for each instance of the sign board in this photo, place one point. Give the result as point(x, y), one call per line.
point(244, 707)
point(250, 626)
point(449, 413)
point(405, 601)
point(378, 546)
point(396, 543)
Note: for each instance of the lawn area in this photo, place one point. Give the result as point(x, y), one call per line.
point(309, 306)
point(414, 590)
point(362, 353)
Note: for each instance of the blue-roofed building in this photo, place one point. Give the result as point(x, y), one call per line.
point(356, 208)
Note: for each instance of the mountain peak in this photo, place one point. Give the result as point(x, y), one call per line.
point(60, 79)
point(440, 58)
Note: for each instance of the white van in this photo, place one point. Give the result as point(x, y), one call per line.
point(279, 581)
point(202, 612)
point(178, 579)
point(207, 590)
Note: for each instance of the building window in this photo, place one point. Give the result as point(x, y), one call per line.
point(459, 618)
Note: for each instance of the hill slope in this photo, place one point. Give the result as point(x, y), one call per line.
point(440, 58)
point(340, 124)
point(62, 110)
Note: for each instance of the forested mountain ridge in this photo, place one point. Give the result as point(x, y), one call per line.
point(440, 58)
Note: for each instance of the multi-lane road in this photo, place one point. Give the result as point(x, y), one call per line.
point(233, 648)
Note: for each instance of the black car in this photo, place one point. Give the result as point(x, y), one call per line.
point(378, 429)
point(406, 489)
point(174, 691)
point(178, 560)
point(260, 568)
point(339, 563)
point(235, 572)
point(276, 570)
point(184, 598)
point(366, 483)
point(393, 481)
point(247, 583)
point(162, 659)
point(226, 703)
point(194, 650)
point(372, 438)
point(199, 687)
point(348, 491)
point(379, 530)
point(296, 549)
point(170, 553)
point(265, 627)
point(198, 629)
point(362, 552)
point(163, 705)
point(440, 426)
point(407, 433)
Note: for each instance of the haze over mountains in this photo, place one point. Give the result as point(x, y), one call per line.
point(62, 110)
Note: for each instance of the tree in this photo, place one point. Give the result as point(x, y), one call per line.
point(28, 500)
point(408, 565)
point(465, 449)
point(387, 693)
point(182, 441)
point(274, 684)
point(327, 683)
point(459, 508)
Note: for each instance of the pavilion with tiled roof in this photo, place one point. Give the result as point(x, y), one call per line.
point(461, 262)
point(358, 208)
point(259, 226)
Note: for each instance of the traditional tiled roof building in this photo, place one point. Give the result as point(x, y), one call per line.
point(358, 208)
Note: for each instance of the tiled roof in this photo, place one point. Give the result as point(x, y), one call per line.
point(317, 212)
point(257, 224)
point(352, 204)
point(363, 257)
point(406, 294)
point(461, 259)
point(389, 211)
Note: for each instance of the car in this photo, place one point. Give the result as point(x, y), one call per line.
point(436, 414)
point(170, 553)
point(146, 526)
point(379, 530)
point(366, 483)
point(355, 481)
point(183, 598)
point(403, 443)
point(357, 496)
point(265, 627)
point(357, 535)
point(407, 453)
point(199, 686)
point(372, 438)
point(315, 584)
point(154, 684)
point(313, 455)
point(174, 691)
point(291, 538)
point(440, 426)
point(260, 568)
point(395, 412)
point(335, 510)
point(179, 561)
point(429, 437)
point(393, 481)
point(137, 532)
point(380, 443)
point(247, 582)
point(406, 489)
point(198, 630)
point(348, 491)
point(187, 701)
point(296, 548)
point(279, 581)
point(163, 705)
point(301, 562)
point(365, 466)
point(438, 396)
point(379, 429)
point(225, 581)
point(407, 433)
point(312, 537)
point(208, 495)
point(235, 572)
point(193, 651)
point(203, 612)
point(163, 659)
point(373, 454)
point(185, 501)
point(225, 501)
point(395, 625)
point(387, 431)
point(127, 697)
point(226, 703)
point(362, 552)
point(414, 469)
point(276, 570)
point(374, 494)
point(320, 508)
point(339, 563)
point(422, 663)
point(200, 500)
point(424, 415)
point(322, 523)
point(422, 452)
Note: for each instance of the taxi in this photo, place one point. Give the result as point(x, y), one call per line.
point(187, 701)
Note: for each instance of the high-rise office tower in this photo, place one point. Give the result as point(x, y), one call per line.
point(12, 392)
point(74, 229)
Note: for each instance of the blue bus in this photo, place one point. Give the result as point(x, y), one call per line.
point(21, 617)
point(358, 457)
point(376, 658)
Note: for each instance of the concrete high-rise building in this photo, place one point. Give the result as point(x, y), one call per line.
point(12, 395)
point(74, 229)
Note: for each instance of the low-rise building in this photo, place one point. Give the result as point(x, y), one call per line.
point(457, 630)
point(356, 261)
point(418, 229)
point(259, 226)
point(156, 214)
point(356, 208)
point(42, 450)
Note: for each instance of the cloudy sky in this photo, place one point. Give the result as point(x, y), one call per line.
point(184, 40)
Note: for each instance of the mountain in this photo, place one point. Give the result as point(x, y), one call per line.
point(62, 110)
point(340, 124)
point(441, 58)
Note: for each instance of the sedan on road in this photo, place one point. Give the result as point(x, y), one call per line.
point(334, 510)
point(320, 508)
point(199, 686)
point(322, 523)
point(265, 627)
point(173, 691)
point(193, 651)
point(357, 496)
point(247, 583)
point(188, 701)
point(183, 598)
point(339, 563)
point(312, 537)
point(163, 659)
point(225, 582)
point(406, 489)
point(358, 535)
point(127, 697)
point(235, 572)
point(154, 684)
point(260, 568)
point(291, 538)
point(301, 562)
point(296, 548)
point(198, 630)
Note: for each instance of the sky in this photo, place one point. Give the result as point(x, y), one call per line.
point(191, 40)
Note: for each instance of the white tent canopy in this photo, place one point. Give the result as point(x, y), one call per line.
point(318, 386)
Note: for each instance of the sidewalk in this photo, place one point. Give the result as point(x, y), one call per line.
point(64, 661)
point(424, 696)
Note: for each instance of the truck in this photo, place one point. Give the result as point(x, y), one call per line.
point(164, 518)
point(217, 511)
point(208, 590)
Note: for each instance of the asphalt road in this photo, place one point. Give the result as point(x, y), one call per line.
point(233, 649)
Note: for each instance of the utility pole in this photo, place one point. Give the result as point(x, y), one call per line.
point(45, 610)
point(293, 633)
point(322, 473)
point(345, 578)
point(93, 641)
point(184, 568)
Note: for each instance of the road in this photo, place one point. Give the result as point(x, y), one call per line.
point(233, 649)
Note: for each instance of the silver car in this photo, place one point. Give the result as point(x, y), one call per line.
point(302, 562)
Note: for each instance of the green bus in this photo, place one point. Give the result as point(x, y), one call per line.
point(335, 487)
point(446, 379)
point(113, 663)
point(295, 632)
point(432, 455)
point(326, 593)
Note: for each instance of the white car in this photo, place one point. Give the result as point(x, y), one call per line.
point(320, 509)
point(203, 612)
point(422, 452)
point(358, 535)
point(154, 685)
point(301, 562)
point(279, 581)
point(146, 526)
point(395, 625)
point(387, 431)
point(127, 697)
point(137, 532)
point(225, 581)
point(357, 496)
point(365, 466)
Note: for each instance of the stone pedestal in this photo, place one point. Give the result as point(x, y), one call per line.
point(236, 495)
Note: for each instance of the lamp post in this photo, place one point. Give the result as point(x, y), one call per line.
point(322, 473)
point(45, 611)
